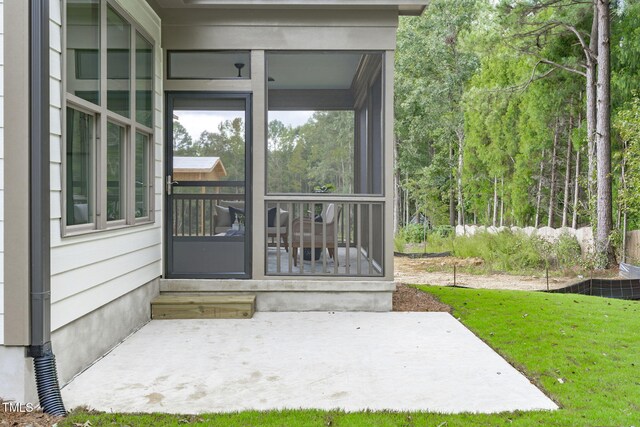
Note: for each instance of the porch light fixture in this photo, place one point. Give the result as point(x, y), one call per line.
point(239, 66)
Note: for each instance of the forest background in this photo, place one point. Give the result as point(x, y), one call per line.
point(501, 122)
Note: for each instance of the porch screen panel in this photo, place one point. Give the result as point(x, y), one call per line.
point(375, 185)
point(324, 164)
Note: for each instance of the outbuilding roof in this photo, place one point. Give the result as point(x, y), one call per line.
point(198, 164)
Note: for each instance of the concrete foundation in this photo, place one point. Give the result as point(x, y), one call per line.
point(295, 295)
point(17, 382)
point(78, 344)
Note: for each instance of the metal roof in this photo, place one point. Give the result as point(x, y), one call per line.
point(197, 164)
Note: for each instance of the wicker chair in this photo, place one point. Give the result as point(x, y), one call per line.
point(330, 216)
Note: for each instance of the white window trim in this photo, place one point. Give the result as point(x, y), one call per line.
point(102, 115)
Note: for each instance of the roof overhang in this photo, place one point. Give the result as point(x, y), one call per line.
point(404, 7)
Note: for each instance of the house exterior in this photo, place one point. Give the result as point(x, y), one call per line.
point(127, 219)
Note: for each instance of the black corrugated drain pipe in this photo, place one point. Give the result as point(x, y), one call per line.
point(39, 195)
point(47, 383)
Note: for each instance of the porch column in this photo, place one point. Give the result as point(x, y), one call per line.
point(258, 186)
point(389, 163)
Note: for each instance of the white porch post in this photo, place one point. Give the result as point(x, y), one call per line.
point(259, 146)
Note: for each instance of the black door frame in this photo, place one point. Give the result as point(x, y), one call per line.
point(170, 96)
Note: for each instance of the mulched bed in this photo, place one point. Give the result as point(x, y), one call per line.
point(407, 298)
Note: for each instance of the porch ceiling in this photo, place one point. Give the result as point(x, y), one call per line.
point(405, 7)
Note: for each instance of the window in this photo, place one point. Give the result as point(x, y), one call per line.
point(109, 119)
point(80, 167)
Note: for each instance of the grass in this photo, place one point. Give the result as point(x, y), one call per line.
point(591, 343)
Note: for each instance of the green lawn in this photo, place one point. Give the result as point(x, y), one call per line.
point(592, 344)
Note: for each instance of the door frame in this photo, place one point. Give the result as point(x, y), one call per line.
point(170, 96)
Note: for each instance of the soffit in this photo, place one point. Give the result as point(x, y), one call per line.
point(312, 70)
point(404, 7)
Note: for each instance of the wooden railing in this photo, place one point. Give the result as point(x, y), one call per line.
point(341, 236)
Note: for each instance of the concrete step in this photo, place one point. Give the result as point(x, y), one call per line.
point(175, 306)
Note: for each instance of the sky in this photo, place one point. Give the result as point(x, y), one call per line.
point(195, 122)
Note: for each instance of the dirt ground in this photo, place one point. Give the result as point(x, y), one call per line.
point(24, 418)
point(413, 271)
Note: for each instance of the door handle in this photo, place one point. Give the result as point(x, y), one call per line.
point(170, 184)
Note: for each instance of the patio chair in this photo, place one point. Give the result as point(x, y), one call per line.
point(330, 216)
point(275, 222)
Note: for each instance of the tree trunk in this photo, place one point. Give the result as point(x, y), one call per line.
point(552, 185)
point(495, 201)
point(461, 220)
point(488, 212)
point(452, 190)
point(624, 201)
point(567, 175)
point(539, 195)
point(576, 192)
point(502, 201)
point(406, 199)
point(604, 249)
point(591, 95)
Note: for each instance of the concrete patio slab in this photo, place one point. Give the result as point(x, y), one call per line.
point(351, 361)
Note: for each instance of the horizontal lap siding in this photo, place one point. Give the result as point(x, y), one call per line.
point(282, 29)
point(92, 270)
point(1, 172)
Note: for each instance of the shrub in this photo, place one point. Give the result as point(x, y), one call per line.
point(399, 243)
point(504, 251)
point(412, 233)
point(567, 252)
point(443, 231)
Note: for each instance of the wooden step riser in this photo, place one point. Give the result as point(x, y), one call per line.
point(203, 307)
point(202, 311)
